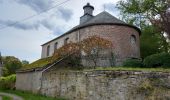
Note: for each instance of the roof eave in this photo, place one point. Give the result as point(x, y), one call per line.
point(136, 28)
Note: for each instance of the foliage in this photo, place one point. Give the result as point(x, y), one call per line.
point(71, 54)
point(6, 98)
point(151, 42)
point(95, 47)
point(39, 63)
point(157, 60)
point(11, 64)
point(8, 82)
point(25, 62)
point(147, 11)
point(66, 50)
point(30, 96)
point(5, 71)
point(133, 63)
point(91, 46)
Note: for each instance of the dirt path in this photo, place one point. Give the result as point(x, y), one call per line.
point(13, 96)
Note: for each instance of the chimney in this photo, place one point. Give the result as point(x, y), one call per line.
point(88, 13)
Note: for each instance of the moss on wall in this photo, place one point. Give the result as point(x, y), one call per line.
point(37, 64)
point(154, 89)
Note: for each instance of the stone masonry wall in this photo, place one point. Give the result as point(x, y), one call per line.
point(120, 38)
point(107, 85)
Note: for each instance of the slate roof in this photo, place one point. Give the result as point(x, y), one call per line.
point(103, 18)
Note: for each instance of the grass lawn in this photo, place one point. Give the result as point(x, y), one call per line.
point(132, 69)
point(29, 96)
point(6, 98)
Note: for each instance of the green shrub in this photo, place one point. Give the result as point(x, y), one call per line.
point(133, 63)
point(8, 82)
point(157, 60)
point(11, 64)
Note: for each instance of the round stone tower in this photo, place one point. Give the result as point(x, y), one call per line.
point(125, 37)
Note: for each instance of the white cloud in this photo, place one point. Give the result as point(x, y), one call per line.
point(37, 5)
point(66, 14)
point(23, 26)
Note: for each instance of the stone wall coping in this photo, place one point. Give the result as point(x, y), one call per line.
point(117, 72)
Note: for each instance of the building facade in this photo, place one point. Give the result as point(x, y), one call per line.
point(124, 37)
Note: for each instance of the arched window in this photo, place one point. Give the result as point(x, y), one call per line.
point(55, 46)
point(66, 40)
point(48, 50)
point(133, 39)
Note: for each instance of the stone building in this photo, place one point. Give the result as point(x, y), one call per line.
point(76, 85)
point(124, 37)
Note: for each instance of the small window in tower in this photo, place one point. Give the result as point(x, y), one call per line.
point(66, 40)
point(133, 39)
point(55, 46)
point(48, 50)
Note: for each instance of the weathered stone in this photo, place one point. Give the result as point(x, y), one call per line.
point(98, 85)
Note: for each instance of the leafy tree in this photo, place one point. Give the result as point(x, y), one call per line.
point(96, 47)
point(66, 50)
point(155, 12)
point(151, 42)
point(11, 64)
point(143, 13)
point(5, 71)
point(71, 51)
point(25, 62)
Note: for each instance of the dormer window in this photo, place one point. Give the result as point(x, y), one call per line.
point(66, 40)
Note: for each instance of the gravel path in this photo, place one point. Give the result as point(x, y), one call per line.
point(13, 96)
point(0, 98)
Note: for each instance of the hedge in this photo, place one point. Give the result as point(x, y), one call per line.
point(133, 63)
point(8, 82)
point(157, 60)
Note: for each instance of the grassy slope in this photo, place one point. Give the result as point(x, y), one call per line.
point(37, 64)
point(30, 96)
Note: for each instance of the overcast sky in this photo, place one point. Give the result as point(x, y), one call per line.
point(23, 40)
